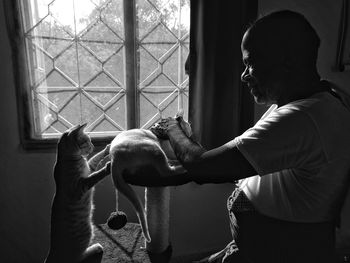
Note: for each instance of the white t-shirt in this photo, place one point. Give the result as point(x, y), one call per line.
point(301, 152)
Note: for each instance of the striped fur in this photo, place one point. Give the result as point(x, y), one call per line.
point(71, 214)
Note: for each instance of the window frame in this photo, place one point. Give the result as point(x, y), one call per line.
point(15, 28)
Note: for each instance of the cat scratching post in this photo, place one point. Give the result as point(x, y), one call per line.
point(157, 200)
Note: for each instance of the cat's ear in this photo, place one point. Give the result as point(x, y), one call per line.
point(77, 129)
point(179, 115)
point(82, 126)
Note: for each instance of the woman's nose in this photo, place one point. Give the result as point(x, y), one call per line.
point(245, 75)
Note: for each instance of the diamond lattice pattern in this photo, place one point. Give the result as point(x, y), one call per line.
point(76, 57)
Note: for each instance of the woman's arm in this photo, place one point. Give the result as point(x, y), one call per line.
point(148, 176)
point(220, 165)
point(224, 164)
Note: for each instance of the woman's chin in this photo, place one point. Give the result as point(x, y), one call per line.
point(263, 101)
point(260, 99)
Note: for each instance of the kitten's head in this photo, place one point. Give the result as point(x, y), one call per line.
point(185, 126)
point(75, 142)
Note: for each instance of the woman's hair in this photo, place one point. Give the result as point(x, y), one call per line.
point(290, 31)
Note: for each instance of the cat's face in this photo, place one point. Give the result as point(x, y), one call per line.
point(75, 142)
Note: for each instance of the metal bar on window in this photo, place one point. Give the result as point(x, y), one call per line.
point(130, 64)
point(180, 104)
point(151, 64)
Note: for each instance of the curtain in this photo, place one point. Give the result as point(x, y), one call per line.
point(220, 108)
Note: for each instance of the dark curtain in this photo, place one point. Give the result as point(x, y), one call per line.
point(220, 107)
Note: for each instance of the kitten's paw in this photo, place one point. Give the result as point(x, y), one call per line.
point(106, 150)
point(159, 131)
point(108, 167)
point(117, 220)
point(102, 163)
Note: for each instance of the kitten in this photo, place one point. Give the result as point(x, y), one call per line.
point(137, 148)
point(71, 227)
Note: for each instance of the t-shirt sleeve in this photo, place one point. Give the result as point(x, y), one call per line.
point(285, 139)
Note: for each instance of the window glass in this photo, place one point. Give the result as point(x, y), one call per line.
point(79, 54)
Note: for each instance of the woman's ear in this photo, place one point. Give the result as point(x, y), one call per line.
point(289, 62)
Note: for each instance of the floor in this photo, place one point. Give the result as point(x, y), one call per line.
point(124, 246)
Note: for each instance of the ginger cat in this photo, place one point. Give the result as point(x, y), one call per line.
point(71, 226)
point(137, 148)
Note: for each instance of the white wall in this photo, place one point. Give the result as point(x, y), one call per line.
point(198, 214)
point(324, 16)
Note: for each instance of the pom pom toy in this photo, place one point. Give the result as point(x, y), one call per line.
point(117, 220)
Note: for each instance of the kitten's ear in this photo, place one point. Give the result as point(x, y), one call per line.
point(82, 126)
point(179, 115)
point(77, 129)
point(73, 129)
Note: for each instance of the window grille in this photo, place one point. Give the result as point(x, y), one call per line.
point(113, 64)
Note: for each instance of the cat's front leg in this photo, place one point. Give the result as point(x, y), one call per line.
point(95, 177)
point(100, 157)
point(102, 163)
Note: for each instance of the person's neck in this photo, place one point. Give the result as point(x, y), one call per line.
point(301, 89)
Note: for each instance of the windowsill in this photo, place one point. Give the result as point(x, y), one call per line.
point(49, 145)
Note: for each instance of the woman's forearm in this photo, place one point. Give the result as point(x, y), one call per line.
point(186, 150)
point(219, 165)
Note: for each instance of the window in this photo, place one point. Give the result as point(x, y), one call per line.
point(113, 64)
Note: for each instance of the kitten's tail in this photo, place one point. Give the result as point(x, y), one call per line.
point(130, 194)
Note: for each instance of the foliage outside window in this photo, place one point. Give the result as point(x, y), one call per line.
point(113, 64)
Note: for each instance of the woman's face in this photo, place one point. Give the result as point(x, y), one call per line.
point(262, 72)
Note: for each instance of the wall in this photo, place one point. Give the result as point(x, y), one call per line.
point(324, 16)
point(27, 188)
